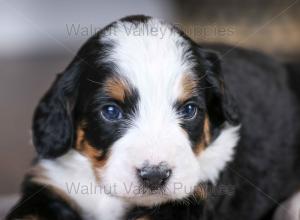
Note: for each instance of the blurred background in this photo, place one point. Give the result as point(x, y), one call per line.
point(39, 38)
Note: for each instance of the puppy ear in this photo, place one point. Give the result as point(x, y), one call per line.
point(53, 118)
point(220, 103)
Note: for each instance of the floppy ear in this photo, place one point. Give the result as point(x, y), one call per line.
point(53, 118)
point(220, 103)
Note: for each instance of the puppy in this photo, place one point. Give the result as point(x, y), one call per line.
point(150, 125)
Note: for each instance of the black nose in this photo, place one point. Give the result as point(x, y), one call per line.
point(154, 177)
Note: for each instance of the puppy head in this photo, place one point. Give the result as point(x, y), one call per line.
point(149, 109)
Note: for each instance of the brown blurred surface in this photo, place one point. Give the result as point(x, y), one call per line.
point(272, 26)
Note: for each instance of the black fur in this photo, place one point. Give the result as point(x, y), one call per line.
point(39, 202)
point(53, 118)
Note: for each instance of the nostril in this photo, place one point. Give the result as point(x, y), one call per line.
point(154, 177)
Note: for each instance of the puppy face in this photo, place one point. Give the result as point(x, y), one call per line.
point(147, 110)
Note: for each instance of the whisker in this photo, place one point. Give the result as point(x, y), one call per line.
point(202, 77)
point(98, 83)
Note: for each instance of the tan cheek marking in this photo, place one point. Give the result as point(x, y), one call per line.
point(116, 88)
point(188, 85)
point(201, 192)
point(95, 155)
point(206, 130)
point(206, 137)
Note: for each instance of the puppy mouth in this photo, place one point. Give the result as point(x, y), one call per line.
point(144, 192)
point(145, 196)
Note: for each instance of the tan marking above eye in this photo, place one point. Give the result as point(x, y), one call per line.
point(116, 88)
point(188, 87)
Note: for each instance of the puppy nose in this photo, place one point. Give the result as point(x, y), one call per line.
point(154, 177)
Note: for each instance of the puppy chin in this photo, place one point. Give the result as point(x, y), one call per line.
point(147, 200)
point(144, 197)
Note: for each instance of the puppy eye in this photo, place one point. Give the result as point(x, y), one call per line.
point(111, 112)
point(188, 111)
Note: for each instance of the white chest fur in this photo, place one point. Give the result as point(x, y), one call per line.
point(73, 174)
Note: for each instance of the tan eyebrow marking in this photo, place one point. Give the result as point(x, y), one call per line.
point(188, 87)
point(117, 88)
